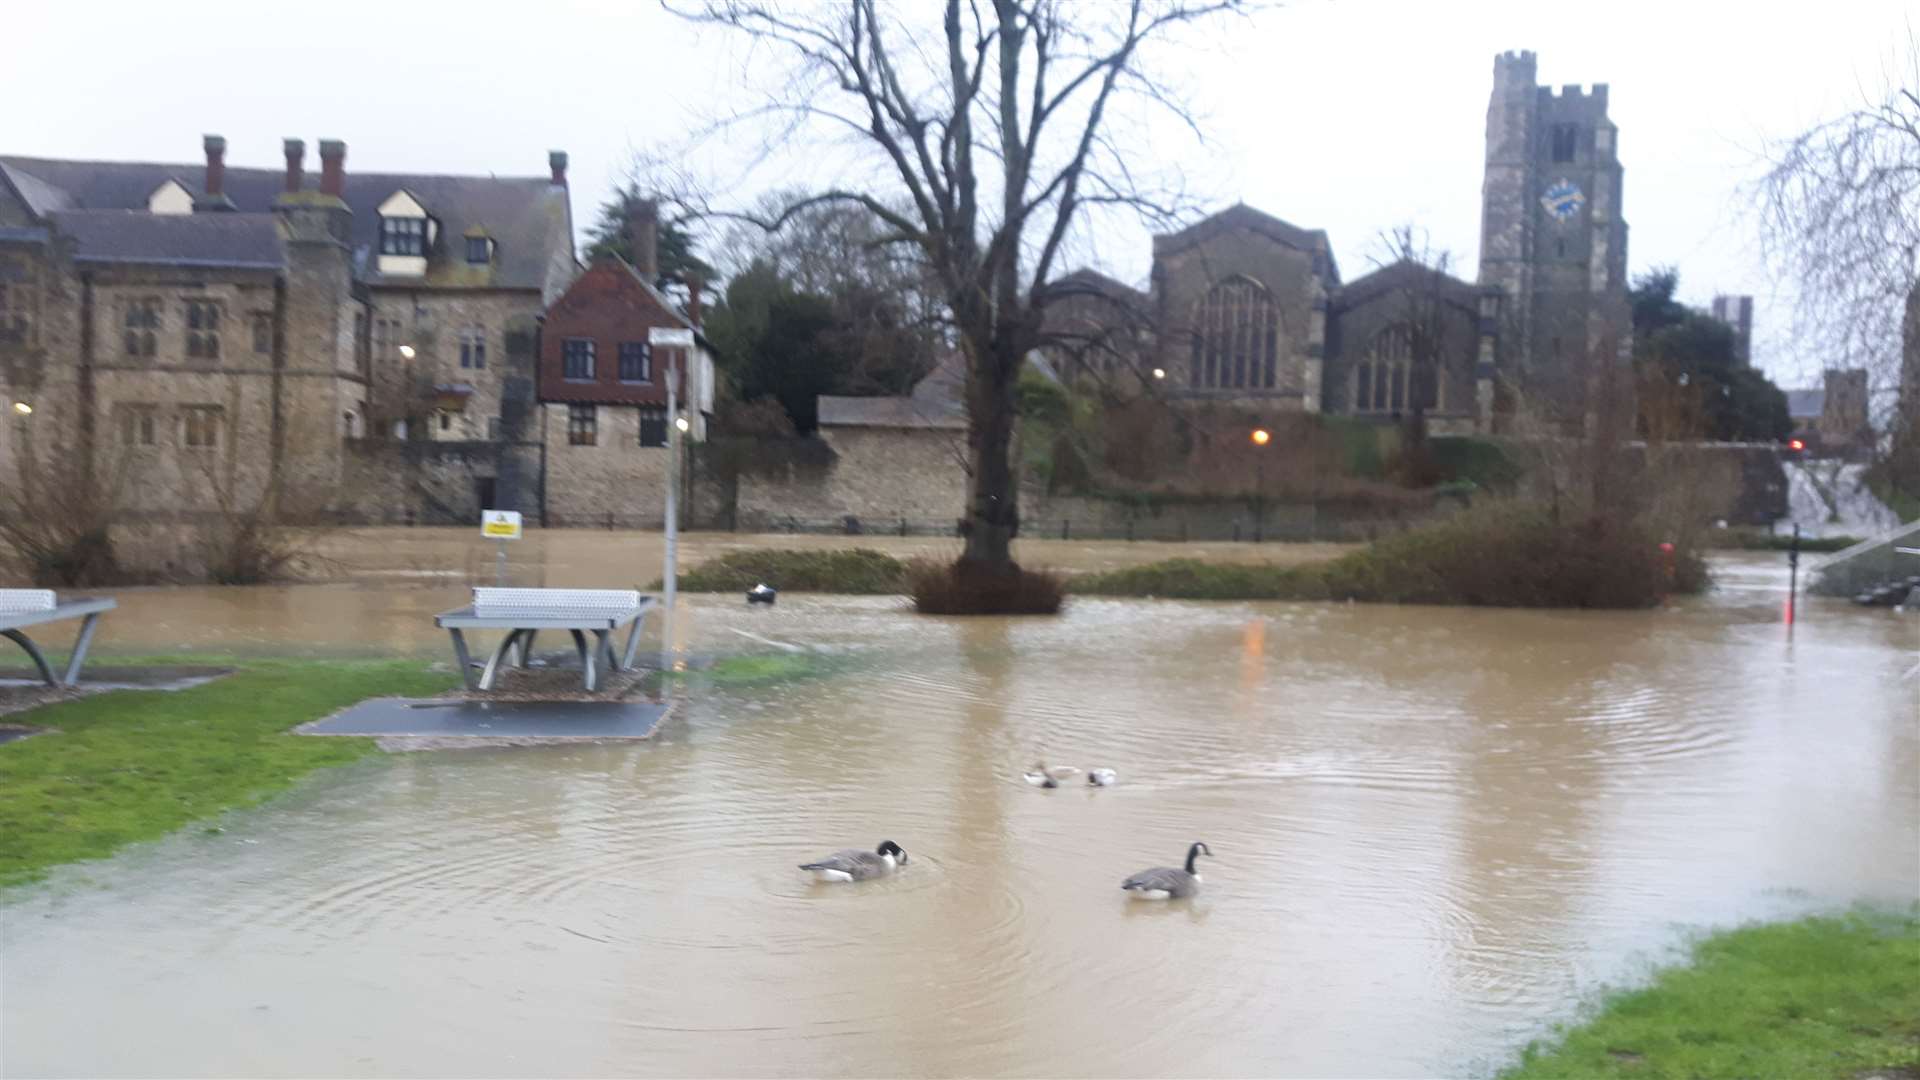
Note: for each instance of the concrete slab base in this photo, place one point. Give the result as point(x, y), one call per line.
point(438, 723)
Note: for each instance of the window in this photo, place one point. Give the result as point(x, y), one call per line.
point(203, 330)
point(350, 425)
point(653, 425)
point(493, 429)
point(1560, 247)
point(576, 358)
point(1236, 338)
point(583, 425)
point(387, 338)
point(1564, 137)
point(137, 425)
point(473, 348)
point(362, 340)
point(636, 362)
point(141, 320)
point(263, 332)
point(479, 249)
point(201, 426)
point(1386, 382)
point(403, 236)
point(13, 308)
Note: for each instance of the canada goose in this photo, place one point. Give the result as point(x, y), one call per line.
point(1048, 776)
point(1101, 777)
point(1166, 883)
point(852, 864)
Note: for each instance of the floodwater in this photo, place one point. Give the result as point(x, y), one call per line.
point(1436, 832)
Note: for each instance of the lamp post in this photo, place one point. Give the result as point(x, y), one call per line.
point(674, 341)
point(1260, 438)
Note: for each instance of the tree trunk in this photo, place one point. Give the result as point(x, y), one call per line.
point(993, 515)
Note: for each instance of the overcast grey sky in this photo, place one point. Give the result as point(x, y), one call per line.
point(1350, 117)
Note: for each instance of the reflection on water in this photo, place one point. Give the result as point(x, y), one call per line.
point(1434, 829)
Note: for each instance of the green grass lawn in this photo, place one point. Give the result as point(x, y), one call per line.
point(1823, 997)
point(135, 765)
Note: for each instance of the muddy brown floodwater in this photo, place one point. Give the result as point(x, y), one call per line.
point(1436, 831)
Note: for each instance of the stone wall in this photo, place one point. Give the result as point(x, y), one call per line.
point(434, 324)
point(877, 476)
point(615, 481)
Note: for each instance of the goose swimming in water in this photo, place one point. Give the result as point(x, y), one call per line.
point(852, 864)
point(1166, 883)
point(1101, 777)
point(1043, 775)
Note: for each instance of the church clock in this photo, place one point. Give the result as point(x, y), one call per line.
point(1563, 199)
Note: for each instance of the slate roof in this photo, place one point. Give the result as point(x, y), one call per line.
point(1242, 216)
point(529, 218)
point(1407, 274)
point(937, 402)
point(1806, 404)
point(122, 236)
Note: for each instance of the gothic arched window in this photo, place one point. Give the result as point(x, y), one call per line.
point(1384, 380)
point(1236, 338)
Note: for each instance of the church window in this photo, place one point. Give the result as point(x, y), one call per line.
point(1565, 136)
point(1385, 380)
point(1236, 338)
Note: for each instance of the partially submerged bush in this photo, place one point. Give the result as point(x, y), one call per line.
point(965, 588)
point(1500, 555)
point(855, 570)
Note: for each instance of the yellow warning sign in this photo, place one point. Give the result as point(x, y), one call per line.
point(500, 524)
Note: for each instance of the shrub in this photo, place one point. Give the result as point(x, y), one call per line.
point(964, 588)
point(1499, 555)
point(856, 570)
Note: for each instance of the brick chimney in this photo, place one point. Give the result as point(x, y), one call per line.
point(643, 229)
point(296, 171)
point(557, 161)
point(213, 198)
point(695, 283)
point(333, 167)
point(216, 148)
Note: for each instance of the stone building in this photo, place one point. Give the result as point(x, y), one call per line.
point(1737, 313)
point(604, 427)
point(1552, 235)
point(191, 335)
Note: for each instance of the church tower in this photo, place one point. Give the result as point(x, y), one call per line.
point(1551, 232)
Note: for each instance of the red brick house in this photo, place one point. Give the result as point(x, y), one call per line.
point(603, 391)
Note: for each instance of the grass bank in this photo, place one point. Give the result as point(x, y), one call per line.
point(1500, 555)
point(1823, 997)
point(862, 571)
point(123, 767)
point(1761, 540)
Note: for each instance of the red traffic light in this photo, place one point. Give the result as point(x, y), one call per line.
point(1796, 444)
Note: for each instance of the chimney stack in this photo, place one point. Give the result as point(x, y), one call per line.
point(216, 148)
point(557, 161)
point(333, 167)
point(296, 172)
point(694, 284)
point(643, 230)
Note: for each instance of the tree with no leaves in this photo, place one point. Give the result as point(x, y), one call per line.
point(1840, 216)
point(991, 137)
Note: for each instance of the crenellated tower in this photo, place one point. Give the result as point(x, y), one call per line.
point(1552, 235)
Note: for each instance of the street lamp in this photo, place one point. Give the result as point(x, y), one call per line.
point(406, 352)
point(1261, 436)
point(681, 423)
point(1159, 373)
point(23, 408)
point(680, 343)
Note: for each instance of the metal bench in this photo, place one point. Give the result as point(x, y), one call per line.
point(21, 608)
point(523, 613)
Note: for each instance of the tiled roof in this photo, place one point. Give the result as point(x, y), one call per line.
point(527, 217)
point(938, 401)
point(135, 236)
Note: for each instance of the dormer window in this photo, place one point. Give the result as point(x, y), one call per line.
point(479, 250)
point(171, 197)
point(403, 236)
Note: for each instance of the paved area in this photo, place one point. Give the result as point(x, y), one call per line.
point(439, 718)
point(21, 688)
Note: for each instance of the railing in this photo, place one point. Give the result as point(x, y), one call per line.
point(1867, 564)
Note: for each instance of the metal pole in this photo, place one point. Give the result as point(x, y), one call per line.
point(1793, 573)
point(500, 563)
point(672, 575)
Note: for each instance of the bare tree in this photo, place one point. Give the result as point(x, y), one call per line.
point(1437, 316)
point(993, 139)
point(1840, 206)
